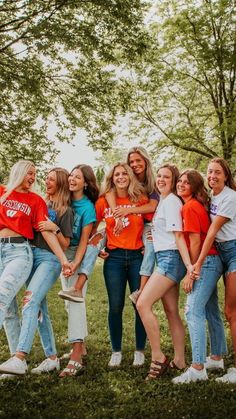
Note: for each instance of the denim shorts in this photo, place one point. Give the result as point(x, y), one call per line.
point(170, 264)
point(227, 251)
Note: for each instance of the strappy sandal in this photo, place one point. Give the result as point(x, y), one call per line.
point(71, 371)
point(158, 370)
point(173, 366)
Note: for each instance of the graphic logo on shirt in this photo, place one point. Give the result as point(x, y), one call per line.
point(16, 206)
point(213, 209)
point(11, 213)
point(52, 215)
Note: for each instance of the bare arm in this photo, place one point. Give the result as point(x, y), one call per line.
point(111, 199)
point(194, 251)
point(215, 226)
point(81, 249)
point(50, 226)
point(142, 209)
point(53, 243)
point(183, 250)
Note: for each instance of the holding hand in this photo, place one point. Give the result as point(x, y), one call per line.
point(187, 284)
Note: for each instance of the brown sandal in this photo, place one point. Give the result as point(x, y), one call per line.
point(158, 370)
point(173, 366)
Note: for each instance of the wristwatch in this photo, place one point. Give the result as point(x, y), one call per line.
point(57, 231)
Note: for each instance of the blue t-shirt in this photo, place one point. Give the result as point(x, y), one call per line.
point(84, 214)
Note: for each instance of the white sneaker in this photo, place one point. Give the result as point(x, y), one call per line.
point(14, 365)
point(212, 364)
point(71, 295)
point(139, 359)
point(115, 360)
point(190, 376)
point(46, 366)
point(230, 377)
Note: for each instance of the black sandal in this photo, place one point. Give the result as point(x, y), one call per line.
point(173, 366)
point(158, 370)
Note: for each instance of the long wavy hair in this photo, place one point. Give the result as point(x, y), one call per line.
point(149, 180)
point(16, 177)
point(198, 189)
point(135, 190)
point(63, 193)
point(92, 189)
point(230, 182)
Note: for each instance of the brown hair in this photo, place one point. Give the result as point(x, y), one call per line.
point(92, 189)
point(63, 193)
point(175, 174)
point(230, 182)
point(198, 189)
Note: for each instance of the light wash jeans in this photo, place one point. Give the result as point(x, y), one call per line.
point(77, 319)
point(46, 270)
point(149, 257)
point(15, 266)
point(202, 305)
point(91, 254)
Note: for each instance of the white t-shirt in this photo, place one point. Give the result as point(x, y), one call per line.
point(224, 204)
point(166, 220)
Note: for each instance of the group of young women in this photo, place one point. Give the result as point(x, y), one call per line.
point(170, 222)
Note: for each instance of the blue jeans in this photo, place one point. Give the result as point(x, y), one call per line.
point(46, 270)
point(122, 266)
point(15, 266)
point(148, 262)
point(227, 251)
point(170, 264)
point(202, 305)
point(91, 254)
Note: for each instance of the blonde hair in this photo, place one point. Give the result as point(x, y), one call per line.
point(17, 174)
point(149, 180)
point(135, 190)
point(63, 201)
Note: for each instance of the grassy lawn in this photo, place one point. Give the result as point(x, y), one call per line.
point(101, 393)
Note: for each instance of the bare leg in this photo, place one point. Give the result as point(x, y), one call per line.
point(156, 287)
point(170, 304)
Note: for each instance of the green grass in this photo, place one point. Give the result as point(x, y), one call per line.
point(101, 393)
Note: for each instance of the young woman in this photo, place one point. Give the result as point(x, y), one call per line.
point(223, 231)
point(84, 193)
point(46, 270)
point(124, 253)
point(172, 259)
point(202, 301)
point(139, 161)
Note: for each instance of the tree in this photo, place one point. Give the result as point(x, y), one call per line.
point(55, 68)
point(181, 94)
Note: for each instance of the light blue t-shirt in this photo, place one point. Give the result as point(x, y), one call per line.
point(84, 214)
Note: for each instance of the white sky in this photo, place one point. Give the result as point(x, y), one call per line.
point(76, 152)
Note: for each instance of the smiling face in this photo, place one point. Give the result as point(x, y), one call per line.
point(138, 165)
point(51, 183)
point(120, 178)
point(164, 181)
point(28, 179)
point(184, 189)
point(216, 177)
point(76, 181)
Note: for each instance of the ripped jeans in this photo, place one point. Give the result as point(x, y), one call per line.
point(15, 266)
point(46, 270)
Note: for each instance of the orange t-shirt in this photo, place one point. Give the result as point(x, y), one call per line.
point(131, 236)
point(196, 220)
